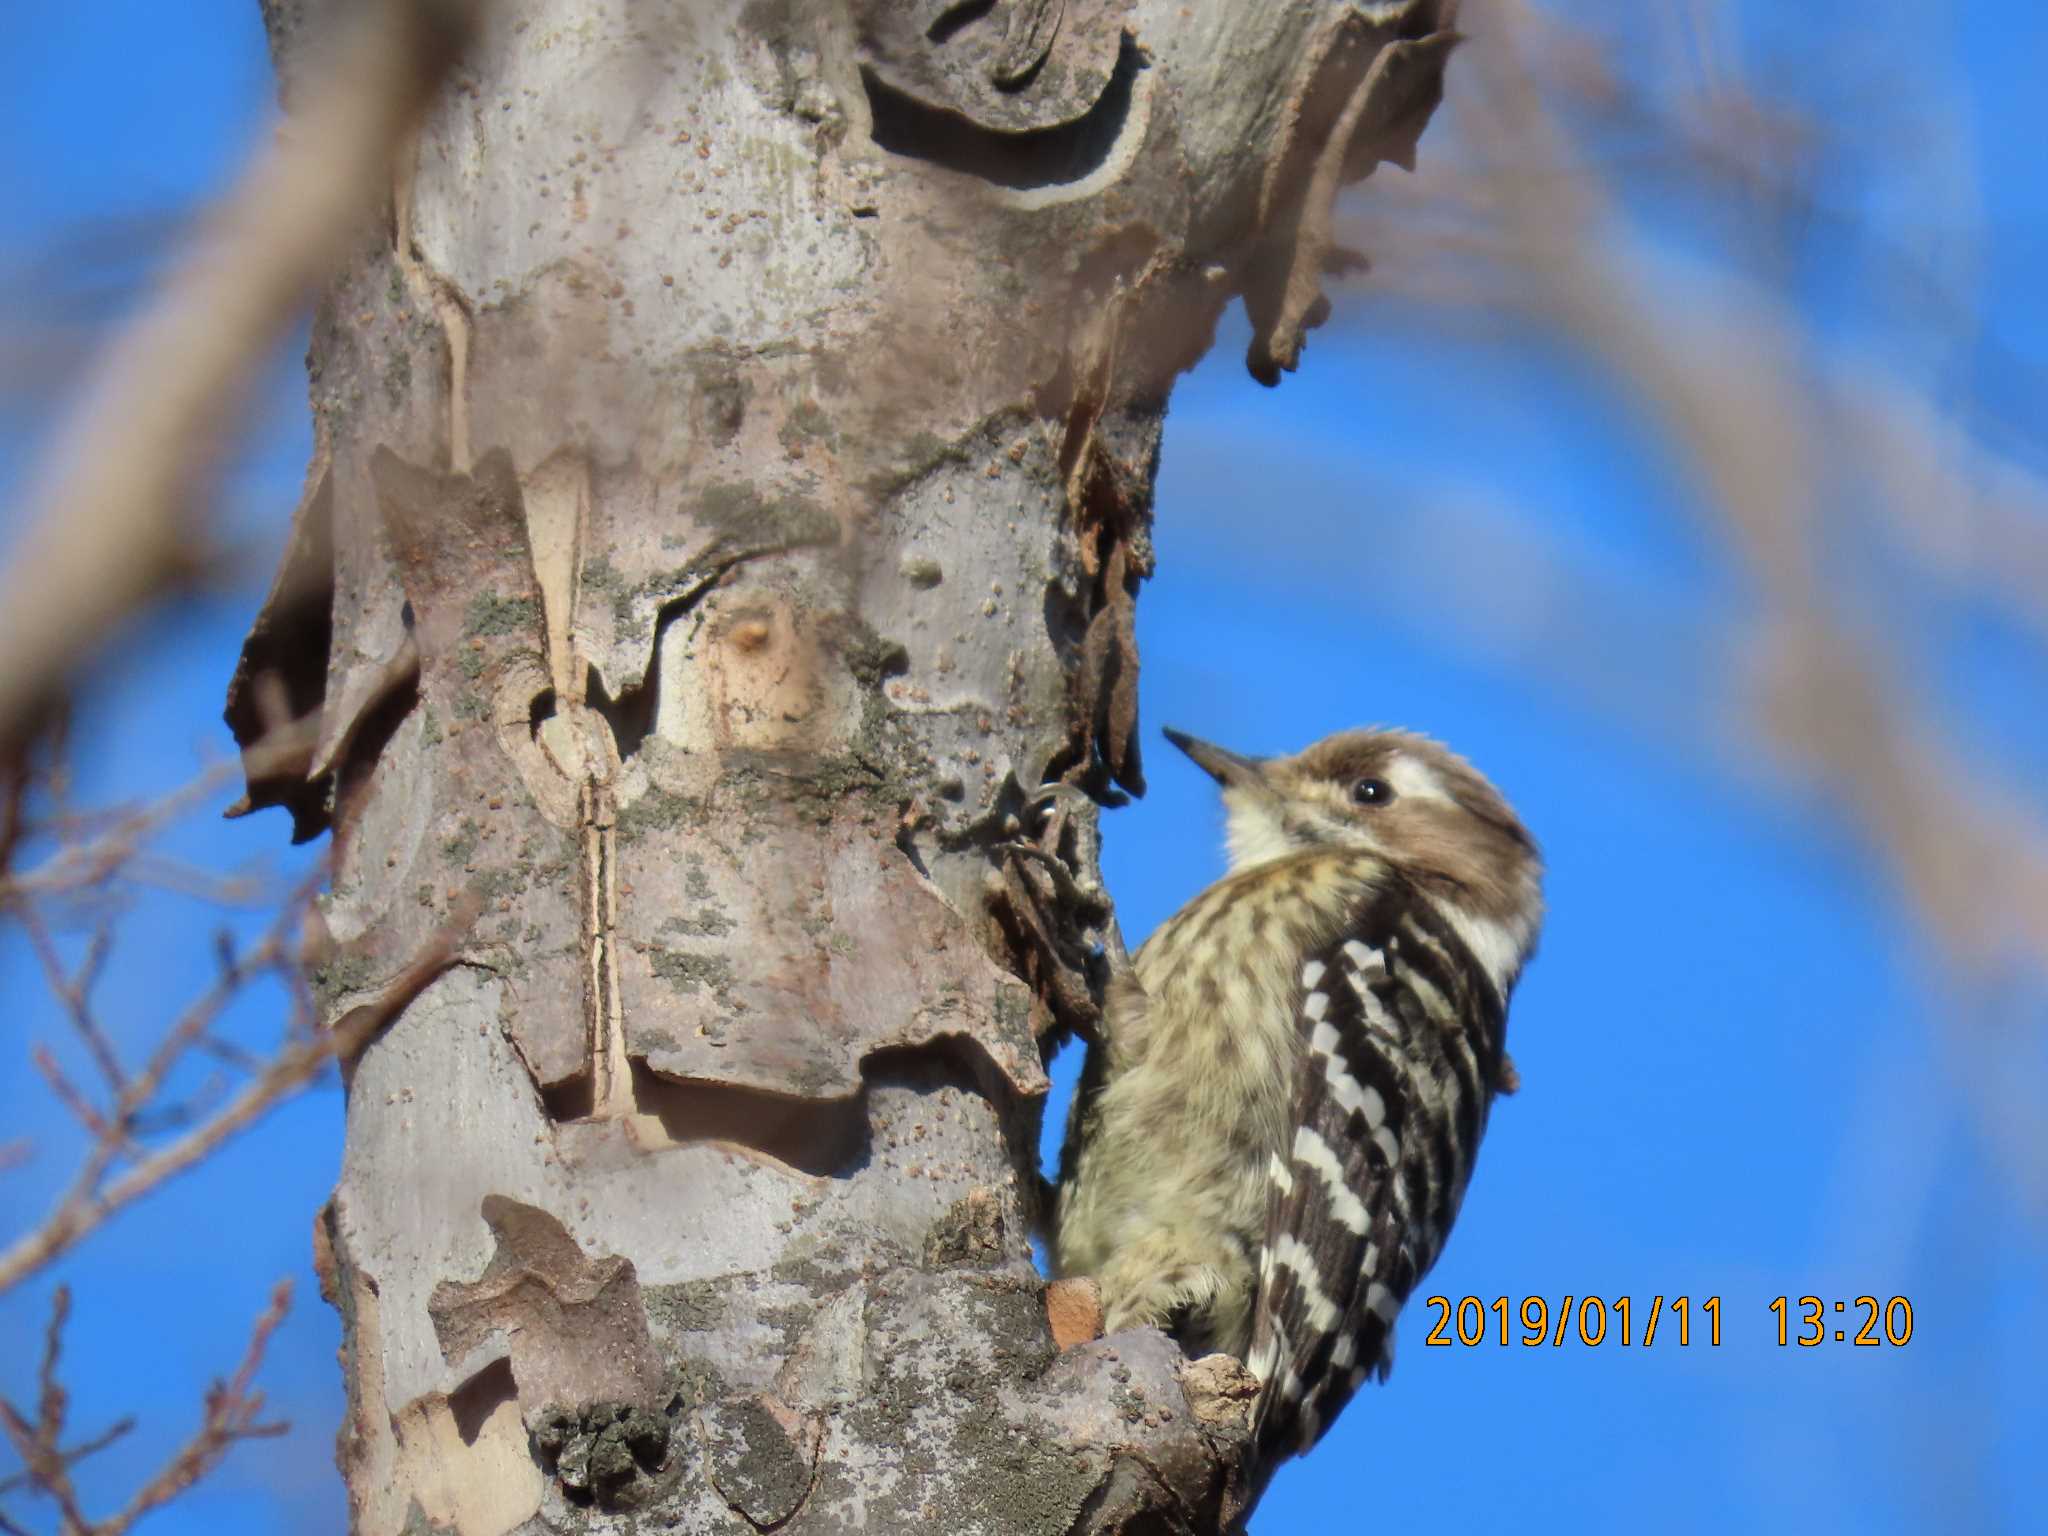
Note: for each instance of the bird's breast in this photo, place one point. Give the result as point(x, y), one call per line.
point(1221, 980)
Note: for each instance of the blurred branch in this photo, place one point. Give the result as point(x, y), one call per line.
point(27, 765)
point(1532, 221)
point(112, 529)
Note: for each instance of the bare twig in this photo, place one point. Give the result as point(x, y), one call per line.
point(37, 1443)
point(84, 864)
point(232, 1410)
point(93, 1196)
point(96, 1125)
point(230, 1053)
point(73, 1455)
point(232, 1413)
point(74, 991)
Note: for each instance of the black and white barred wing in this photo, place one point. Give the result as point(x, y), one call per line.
point(1403, 1039)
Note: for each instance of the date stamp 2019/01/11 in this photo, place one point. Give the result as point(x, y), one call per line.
point(1536, 1322)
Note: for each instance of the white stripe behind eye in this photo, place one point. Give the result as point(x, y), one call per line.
point(1415, 779)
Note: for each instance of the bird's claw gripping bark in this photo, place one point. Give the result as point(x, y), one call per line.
point(1073, 916)
point(1087, 900)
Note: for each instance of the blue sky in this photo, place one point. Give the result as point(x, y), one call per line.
point(1746, 1071)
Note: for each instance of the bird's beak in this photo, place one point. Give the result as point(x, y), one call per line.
point(1229, 769)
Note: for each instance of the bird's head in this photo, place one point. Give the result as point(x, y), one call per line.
point(1401, 796)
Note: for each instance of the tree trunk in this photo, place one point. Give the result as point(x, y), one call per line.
point(734, 469)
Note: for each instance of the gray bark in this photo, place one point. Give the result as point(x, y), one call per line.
point(733, 478)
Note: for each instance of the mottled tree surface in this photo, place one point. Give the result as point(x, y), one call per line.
point(733, 476)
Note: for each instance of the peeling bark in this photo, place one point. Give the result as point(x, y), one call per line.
point(734, 481)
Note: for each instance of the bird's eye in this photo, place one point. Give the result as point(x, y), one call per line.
point(1372, 792)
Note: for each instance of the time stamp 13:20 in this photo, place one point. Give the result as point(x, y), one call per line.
point(1801, 1321)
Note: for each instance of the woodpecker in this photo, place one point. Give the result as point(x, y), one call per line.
point(1278, 1118)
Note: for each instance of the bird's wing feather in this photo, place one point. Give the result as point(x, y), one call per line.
point(1401, 1033)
